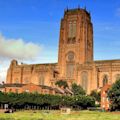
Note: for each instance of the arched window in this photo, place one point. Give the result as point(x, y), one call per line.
point(105, 80)
point(70, 64)
point(72, 29)
point(41, 80)
point(70, 70)
point(71, 32)
point(117, 77)
point(84, 78)
point(16, 80)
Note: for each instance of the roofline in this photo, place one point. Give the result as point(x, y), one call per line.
point(112, 60)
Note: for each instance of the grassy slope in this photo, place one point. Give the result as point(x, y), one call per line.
point(56, 115)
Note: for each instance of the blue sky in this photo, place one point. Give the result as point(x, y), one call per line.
point(38, 21)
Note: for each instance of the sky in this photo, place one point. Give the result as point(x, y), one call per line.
point(29, 29)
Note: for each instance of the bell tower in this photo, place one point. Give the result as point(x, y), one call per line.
point(75, 41)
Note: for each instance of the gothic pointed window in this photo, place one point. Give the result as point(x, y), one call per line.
point(70, 64)
point(41, 80)
point(74, 29)
point(84, 77)
point(70, 70)
point(105, 80)
point(71, 32)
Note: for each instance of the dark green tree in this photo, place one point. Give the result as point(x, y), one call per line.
point(84, 101)
point(96, 95)
point(114, 96)
point(44, 101)
point(61, 83)
point(77, 89)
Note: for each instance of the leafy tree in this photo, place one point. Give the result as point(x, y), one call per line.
point(77, 89)
point(84, 101)
point(44, 101)
point(61, 83)
point(96, 95)
point(114, 96)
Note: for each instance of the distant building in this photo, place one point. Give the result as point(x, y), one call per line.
point(75, 59)
point(32, 88)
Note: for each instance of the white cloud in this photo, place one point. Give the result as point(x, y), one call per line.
point(18, 49)
point(3, 71)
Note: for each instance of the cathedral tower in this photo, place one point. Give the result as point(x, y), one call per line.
point(75, 41)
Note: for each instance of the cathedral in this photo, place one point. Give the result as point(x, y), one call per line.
point(76, 62)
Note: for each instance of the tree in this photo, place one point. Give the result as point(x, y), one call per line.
point(77, 89)
point(84, 101)
point(114, 96)
point(96, 95)
point(44, 101)
point(61, 83)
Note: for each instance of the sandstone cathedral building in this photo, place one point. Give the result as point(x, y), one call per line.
point(76, 62)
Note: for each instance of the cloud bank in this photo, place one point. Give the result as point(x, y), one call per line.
point(18, 49)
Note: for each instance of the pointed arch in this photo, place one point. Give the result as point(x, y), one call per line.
point(105, 80)
point(41, 80)
point(84, 78)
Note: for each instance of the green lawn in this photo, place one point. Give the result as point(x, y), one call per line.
point(56, 115)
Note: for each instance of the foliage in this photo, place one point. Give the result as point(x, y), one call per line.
point(96, 95)
point(44, 101)
point(61, 83)
point(84, 101)
point(114, 95)
point(77, 89)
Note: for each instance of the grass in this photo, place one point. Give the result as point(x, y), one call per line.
point(56, 115)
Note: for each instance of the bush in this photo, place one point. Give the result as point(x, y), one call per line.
point(84, 101)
